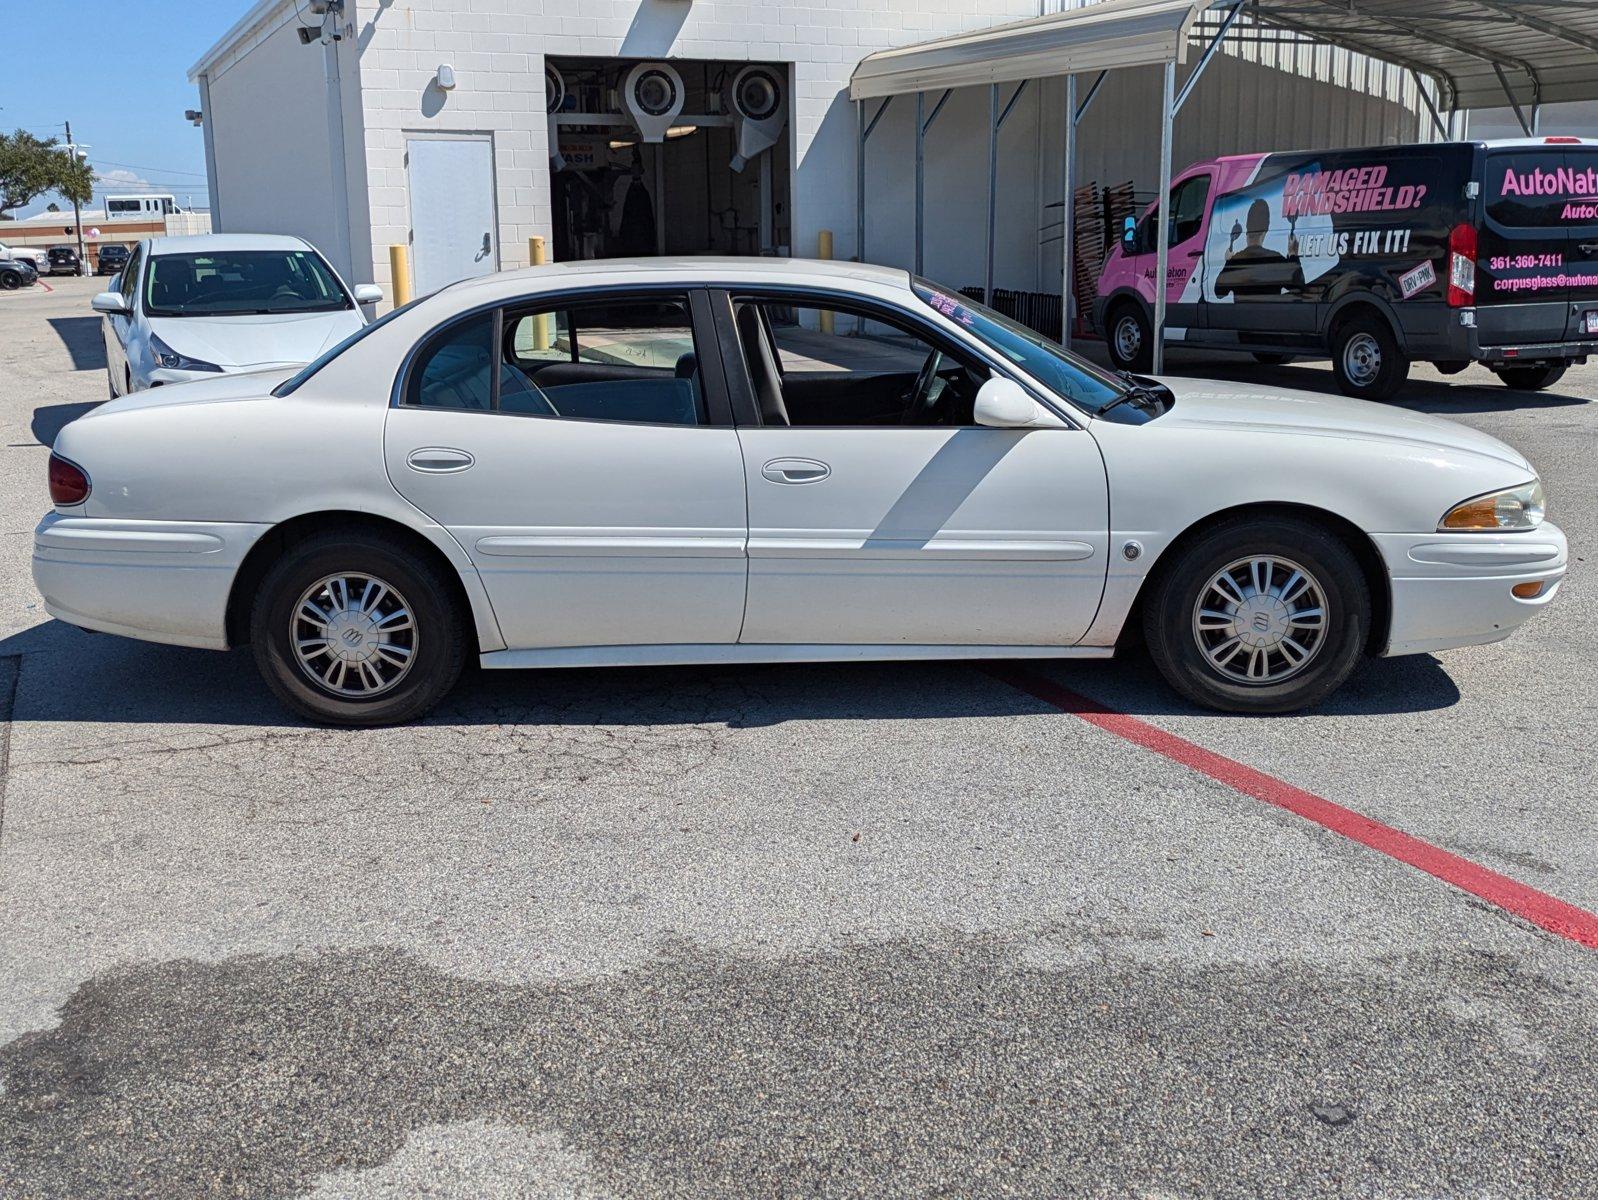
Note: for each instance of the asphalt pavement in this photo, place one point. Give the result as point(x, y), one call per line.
point(861, 930)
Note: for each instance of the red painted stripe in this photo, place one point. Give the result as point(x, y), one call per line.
point(1541, 909)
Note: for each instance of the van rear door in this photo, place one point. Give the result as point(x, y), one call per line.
point(1522, 293)
point(1581, 257)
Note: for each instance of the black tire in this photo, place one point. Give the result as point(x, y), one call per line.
point(440, 628)
point(1531, 379)
point(1130, 337)
point(1366, 359)
point(1267, 359)
point(10, 281)
point(1170, 615)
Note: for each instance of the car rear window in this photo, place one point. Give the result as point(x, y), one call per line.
point(1535, 189)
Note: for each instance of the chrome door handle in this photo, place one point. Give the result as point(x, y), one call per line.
point(795, 470)
point(1588, 247)
point(438, 460)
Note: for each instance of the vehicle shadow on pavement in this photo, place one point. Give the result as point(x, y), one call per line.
point(50, 419)
point(83, 340)
point(69, 675)
point(1042, 1063)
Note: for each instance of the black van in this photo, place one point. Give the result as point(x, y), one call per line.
point(1444, 252)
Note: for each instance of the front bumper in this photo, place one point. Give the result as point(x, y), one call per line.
point(1453, 589)
point(159, 581)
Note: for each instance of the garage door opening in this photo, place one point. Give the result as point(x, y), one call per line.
point(679, 157)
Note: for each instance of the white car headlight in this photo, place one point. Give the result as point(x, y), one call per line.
point(1513, 508)
point(169, 358)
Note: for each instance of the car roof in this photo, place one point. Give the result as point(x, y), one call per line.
point(218, 243)
point(690, 271)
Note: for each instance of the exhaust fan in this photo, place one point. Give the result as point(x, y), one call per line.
point(760, 110)
point(554, 98)
point(652, 93)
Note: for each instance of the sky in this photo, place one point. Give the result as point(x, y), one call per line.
point(118, 70)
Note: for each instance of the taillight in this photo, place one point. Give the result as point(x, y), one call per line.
point(68, 482)
point(1461, 266)
point(1562, 141)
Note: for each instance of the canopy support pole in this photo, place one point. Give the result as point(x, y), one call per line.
point(922, 125)
point(1162, 257)
point(1067, 209)
point(1204, 59)
point(1520, 116)
point(865, 128)
point(996, 118)
point(1431, 108)
point(1093, 91)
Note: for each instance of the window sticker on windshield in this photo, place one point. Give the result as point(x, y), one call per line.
point(1418, 279)
point(950, 307)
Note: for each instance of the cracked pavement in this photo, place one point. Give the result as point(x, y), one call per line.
point(797, 930)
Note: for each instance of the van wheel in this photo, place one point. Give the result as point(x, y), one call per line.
point(1530, 379)
point(351, 628)
point(1271, 360)
point(1131, 339)
point(1259, 616)
point(1366, 359)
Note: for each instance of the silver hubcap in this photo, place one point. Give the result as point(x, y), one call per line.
point(353, 634)
point(1260, 620)
point(1362, 359)
point(1128, 338)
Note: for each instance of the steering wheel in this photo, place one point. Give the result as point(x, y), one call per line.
point(921, 393)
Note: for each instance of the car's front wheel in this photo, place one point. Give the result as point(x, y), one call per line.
point(353, 628)
point(1259, 616)
point(1131, 341)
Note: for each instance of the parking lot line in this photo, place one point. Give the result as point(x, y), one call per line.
point(1545, 911)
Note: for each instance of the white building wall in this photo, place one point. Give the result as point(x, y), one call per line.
point(269, 116)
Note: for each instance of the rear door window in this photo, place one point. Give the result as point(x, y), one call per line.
point(1528, 189)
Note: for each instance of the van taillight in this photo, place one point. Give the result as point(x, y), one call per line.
point(1562, 141)
point(68, 483)
point(1461, 266)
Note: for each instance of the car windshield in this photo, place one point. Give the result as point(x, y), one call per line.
point(237, 282)
point(1051, 364)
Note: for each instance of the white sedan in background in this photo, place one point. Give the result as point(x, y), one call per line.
point(188, 308)
point(726, 461)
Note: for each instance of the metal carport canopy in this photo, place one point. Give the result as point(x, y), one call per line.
point(1104, 36)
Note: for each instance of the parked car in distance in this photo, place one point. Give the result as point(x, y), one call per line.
point(1444, 252)
point(728, 461)
point(38, 257)
point(111, 259)
point(63, 260)
point(17, 273)
point(194, 307)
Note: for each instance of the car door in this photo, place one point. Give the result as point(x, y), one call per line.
point(586, 463)
point(1525, 250)
point(1189, 208)
point(877, 518)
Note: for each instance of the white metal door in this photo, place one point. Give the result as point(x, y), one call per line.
point(924, 536)
point(453, 226)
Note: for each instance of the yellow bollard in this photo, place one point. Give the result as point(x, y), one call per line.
point(399, 267)
point(542, 337)
point(824, 252)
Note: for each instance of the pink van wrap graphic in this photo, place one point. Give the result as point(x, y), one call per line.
point(1265, 236)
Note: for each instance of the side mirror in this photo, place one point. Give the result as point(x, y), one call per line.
point(1004, 404)
point(1129, 230)
point(110, 303)
point(368, 293)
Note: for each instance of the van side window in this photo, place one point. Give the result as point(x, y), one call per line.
point(1186, 207)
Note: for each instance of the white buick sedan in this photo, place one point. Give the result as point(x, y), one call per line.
point(727, 461)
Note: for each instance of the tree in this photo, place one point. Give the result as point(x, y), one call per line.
point(31, 166)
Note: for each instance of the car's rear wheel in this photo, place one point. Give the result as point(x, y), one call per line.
point(1259, 616)
point(1131, 341)
point(1531, 379)
point(352, 628)
point(1367, 360)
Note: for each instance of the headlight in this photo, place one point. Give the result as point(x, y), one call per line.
point(1513, 508)
point(169, 358)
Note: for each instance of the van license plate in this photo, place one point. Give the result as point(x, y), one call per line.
point(1590, 320)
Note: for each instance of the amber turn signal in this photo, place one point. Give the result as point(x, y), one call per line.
point(1528, 591)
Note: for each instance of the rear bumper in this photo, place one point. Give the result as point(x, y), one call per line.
point(159, 581)
point(1452, 590)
